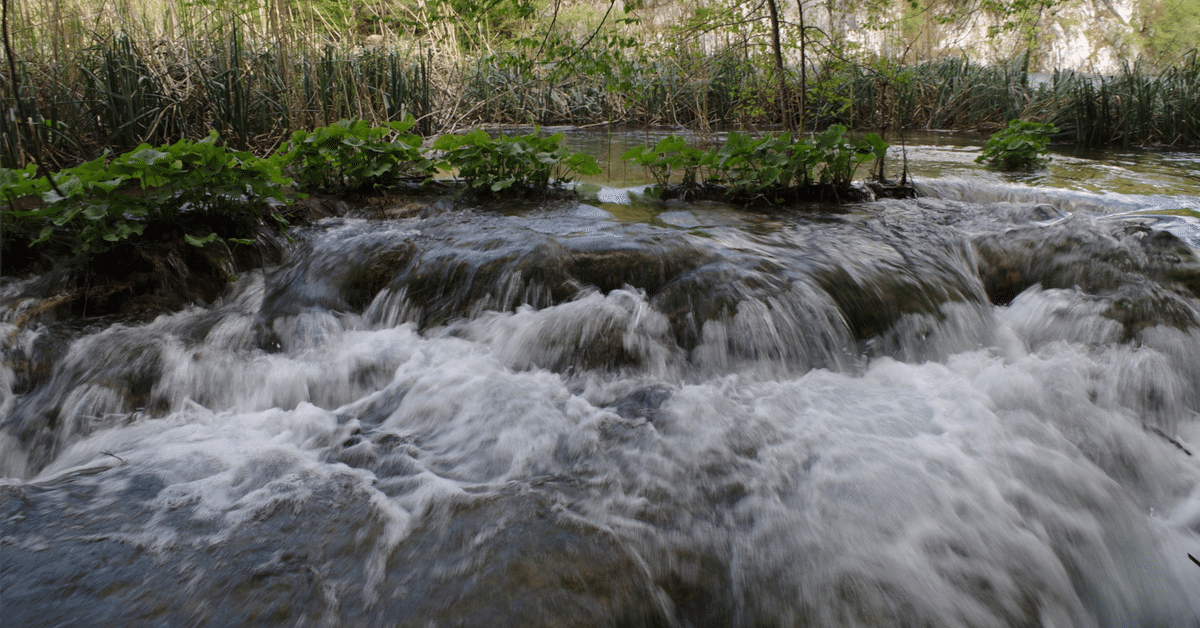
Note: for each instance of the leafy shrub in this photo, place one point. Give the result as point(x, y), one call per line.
point(841, 156)
point(671, 153)
point(352, 155)
point(1017, 147)
point(512, 166)
point(103, 202)
point(763, 167)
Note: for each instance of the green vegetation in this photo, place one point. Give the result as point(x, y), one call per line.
point(105, 201)
point(1020, 146)
point(353, 155)
point(771, 168)
point(1186, 213)
point(1134, 107)
point(83, 82)
point(526, 165)
point(93, 77)
point(1172, 27)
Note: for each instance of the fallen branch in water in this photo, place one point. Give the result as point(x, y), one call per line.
point(1194, 560)
point(1155, 430)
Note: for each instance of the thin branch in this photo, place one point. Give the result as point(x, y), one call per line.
point(15, 84)
point(549, 30)
point(593, 35)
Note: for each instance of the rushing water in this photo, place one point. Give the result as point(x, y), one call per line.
point(975, 408)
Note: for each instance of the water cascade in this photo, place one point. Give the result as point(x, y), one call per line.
point(974, 408)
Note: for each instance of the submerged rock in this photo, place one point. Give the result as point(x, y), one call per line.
point(319, 556)
point(1148, 277)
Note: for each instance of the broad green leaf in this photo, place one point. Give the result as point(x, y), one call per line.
point(634, 153)
point(95, 212)
point(146, 156)
point(199, 242)
point(70, 187)
point(66, 215)
point(47, 231)
point(448, 142)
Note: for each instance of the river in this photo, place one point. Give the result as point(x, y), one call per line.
point(974, 408)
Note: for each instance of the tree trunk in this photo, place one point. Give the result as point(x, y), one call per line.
point(780, 83)
point(803, 68)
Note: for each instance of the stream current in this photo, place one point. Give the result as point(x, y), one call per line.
point(974, 408)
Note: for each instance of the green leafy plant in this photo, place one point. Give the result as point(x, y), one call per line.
point(512, 166)
point(760, 166)
point(1019, 146)
point(670, 154)
point(766, 168)
point(102, 202)
point(841, 156)
point(353, 155)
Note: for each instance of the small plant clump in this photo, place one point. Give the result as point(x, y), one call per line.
point(351, 155)
point(102, 202)
point(1020, 146)
point(512, 166)
point(106, 201)
point(771, 169)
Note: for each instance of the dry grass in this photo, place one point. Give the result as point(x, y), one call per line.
point(100, 74)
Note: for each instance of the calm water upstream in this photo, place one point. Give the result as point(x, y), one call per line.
point(975, 408)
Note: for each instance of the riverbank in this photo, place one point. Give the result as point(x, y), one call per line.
point(115, 87)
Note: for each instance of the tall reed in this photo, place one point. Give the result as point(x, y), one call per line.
point(125, 74)
point(99, 74)
point(1134, 107)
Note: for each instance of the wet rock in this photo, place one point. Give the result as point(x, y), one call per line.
point(512, 560)
point(609, 264)
point(346, 278)
point(901, 271)
point(1149, 275)
point(1045, 211)
point(1075, 252)
point(891, 189)
point(642, 403)
point(1172, 262)
point(453, 281)
point(1139, 306)
point(108, 376)
point(155, 274)
point(712, 292)
point(827, 194)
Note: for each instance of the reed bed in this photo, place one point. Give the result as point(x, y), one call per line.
point(133, 78)
point(1138, 106)
point(112, 75)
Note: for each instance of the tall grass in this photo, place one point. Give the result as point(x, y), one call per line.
point(109, 74)
point(1138, 106)
point(114, 79)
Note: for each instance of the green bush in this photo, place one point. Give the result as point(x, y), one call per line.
point(761, 167)
point(1020, 146)
point(841, 156)
point(511, 166)
point(103, 202)
point(353, 155)
point(671, 153)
